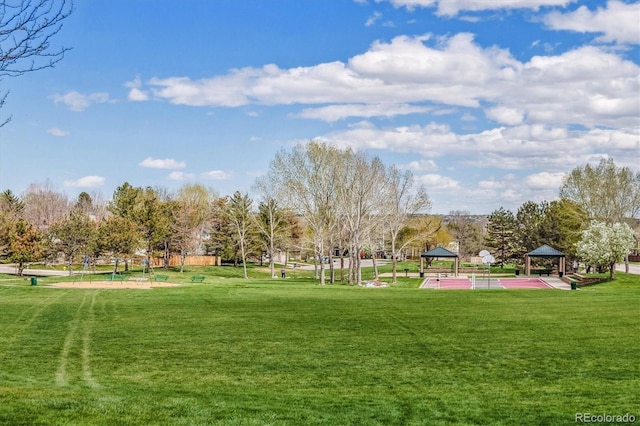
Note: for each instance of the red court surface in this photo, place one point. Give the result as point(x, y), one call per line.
point(496, 283)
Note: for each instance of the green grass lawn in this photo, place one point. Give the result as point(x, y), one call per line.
point(237, 352)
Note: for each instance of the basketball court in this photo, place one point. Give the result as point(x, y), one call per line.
point(484, 283)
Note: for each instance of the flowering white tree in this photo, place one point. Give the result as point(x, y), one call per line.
point(605, 244)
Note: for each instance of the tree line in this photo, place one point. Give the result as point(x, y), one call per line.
point(316, 201)
point(593, 220)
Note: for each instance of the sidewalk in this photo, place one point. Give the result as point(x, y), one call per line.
point(4, 269)
point(556, 283)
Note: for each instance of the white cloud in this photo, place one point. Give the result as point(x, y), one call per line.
point(373, 19)
point(586, 86)
point(505, 115)
point(420, 166)
point(167, 163)
point(436, 183)
point(77, 101)
point(523, 147)
point(453, 7)
point(618, 22)
point(545, 180)
point(216, 175)
point(136, 94)
point(58, 132)
point(430, 141)
point(181, 176)
point(85, 182)
point(491, 184)
point(333, 113)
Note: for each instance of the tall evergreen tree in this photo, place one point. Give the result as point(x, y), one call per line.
point(500, 235)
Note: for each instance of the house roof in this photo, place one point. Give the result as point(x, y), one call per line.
point(439, 252)
point(545, 251)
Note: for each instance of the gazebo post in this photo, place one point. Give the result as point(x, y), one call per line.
point(527, 265)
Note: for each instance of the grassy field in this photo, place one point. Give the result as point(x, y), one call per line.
point(237, 352)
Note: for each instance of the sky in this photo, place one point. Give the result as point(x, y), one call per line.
point(489, 103)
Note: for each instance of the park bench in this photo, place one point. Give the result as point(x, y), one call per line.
point(115, 277)
point(541, 272)
point(197, 279)
point(162, 277)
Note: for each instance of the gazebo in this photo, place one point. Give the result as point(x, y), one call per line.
point(545, 251)
point(439, 252)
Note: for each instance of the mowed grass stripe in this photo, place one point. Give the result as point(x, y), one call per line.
point(237, 353)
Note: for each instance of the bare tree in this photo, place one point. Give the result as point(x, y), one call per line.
point(44, 206)
point(239, 210)
point(27, 28)
point(402, 204)
point(192, 208)
point(308, 178)
point(271, 219)
point(361, 197)
point(606, 192)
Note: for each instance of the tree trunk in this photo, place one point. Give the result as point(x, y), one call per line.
point(612, 271)
point(394, 269)
point(272, 266)
point(626, 263)
point(70, 265)
point(244, 260)
point(375, 267)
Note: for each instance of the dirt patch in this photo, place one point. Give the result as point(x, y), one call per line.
point(141, 285)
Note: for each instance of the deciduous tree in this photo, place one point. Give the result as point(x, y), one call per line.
point(191, 210)
point(604, 244)
point(24, 244)
point(240, 215)
point(606, 192)
point(73, 235)
point(401, 204)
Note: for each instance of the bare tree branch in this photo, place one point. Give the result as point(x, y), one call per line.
point(26, 31)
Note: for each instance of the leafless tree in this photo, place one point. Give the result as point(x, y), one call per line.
point(192, 207)
point(308, 178)
point(241, 218)
point(361, 198)
point(27, 28)
point(44, 206)
point(606, 192)
point(402, 204)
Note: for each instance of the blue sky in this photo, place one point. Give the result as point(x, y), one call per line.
point(488, 102)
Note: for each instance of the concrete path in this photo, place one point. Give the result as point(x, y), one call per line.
point(557, 283)
point(35, 272)
point(633, 268)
